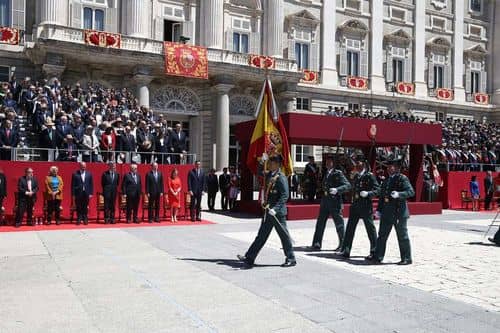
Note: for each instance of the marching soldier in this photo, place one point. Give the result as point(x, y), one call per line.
point(393, 209)
point(334, 184)
point(365, 187)
point(274, 216)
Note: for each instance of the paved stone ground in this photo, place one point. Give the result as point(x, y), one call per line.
point(186, 279)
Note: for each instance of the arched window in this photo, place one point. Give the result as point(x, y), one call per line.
point(439, 64)
point(243, 32)
point(303, 47)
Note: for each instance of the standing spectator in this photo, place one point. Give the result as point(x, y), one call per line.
point(127, 141)
point(54, 194)
point(161, 147)
point(234, 187)
point(174, 193)
point(212, 188)
point(108, 143)
point(177, 144)
point(3, 191)
point(196, 187)
point(131, 188)
point(48, 140)
point(82, 189)
point(144, 143)
point(154, 191)
point(311, 172)
point(224, 183)
point(294, 184)
point(69, 150)
point(489, 190)
point(109, 182)
point(27, 188)
point(9, 138)
point(90, 145)
point(63, 129)
point(474, 191)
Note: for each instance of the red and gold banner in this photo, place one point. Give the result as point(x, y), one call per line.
point(103, 39)
point(309, 77)
point(444, 94)
point(480, 98)
point(405, 88)
point(9, 36)
point(356, 82)
point(261, 61)
point(185, 60)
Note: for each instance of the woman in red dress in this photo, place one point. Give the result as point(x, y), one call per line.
point(174, 193)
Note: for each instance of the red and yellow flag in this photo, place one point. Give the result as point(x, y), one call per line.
point(269, 135)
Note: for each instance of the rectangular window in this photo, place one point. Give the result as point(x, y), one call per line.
point(302, 103)
point(93, 19)
point(302, 152)
point(302, 55)
point(475, 5)
point(241, 24)
point(439, 23)
point(439, 116)
point(5, 13)
point(172, 31)
point(398, 14)
point(353, 107)
point(353, 5)
point(352, 63)
point(240, 42)
point(397, 70)
point(438, 76)
point(475, 82)
point(475, 31)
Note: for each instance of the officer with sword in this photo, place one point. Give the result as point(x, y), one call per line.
point(274, 204)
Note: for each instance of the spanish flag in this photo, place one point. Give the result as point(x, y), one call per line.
point(269, 135)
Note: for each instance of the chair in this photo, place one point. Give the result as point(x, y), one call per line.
point(145, 204)
point(16, 205)
point(166, 206)
point(99, 205)
point(72, 209)
point(465, 199)
point(122, 206)
point(187, 204)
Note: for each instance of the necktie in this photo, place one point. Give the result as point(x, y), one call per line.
point(70, 149)
point(50, 135)
point(135, 178)
point(156, 175)
point(198, 174)
point(83, 180)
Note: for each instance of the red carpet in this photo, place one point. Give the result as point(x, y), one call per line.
point(100, 225)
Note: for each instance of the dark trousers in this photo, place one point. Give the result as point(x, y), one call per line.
point(154, 204)
point(265, 229)
point(352, 222)
point(25, 206)
point(5, 154)
point(487, 200)
point(109, 208)
point(82, 208)
point(53, 208)
point(132, 207)
point(223, 200)
point(496, 238)
point(386, 224)
point(327, 208)
point(311, 192)
point(195, 208)
point(89, 158)
point(211, 200)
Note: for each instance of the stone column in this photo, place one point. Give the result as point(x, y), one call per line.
point(329, 76)
point(53, 11)
point(135, 20)
point(274, 28)
point(222, 126)
point(143, 82)
point(286, 102)
point(377, 80)
point(495, 74)
point(419, 50)
point(458, 53)
point(212, 23)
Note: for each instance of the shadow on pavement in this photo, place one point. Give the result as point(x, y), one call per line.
point(353, 260)
point(481, 243)
point(233, 263)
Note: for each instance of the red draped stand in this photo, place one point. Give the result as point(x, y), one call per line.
point(308, 129)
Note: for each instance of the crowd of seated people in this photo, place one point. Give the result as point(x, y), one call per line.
point(90, 123)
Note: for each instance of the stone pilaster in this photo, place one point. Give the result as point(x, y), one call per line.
point(135, 20)
point(458, 52)
point(419, 54)
point(274, 28)
point(377, 80)
point(329, 75)
point(53, 12)
point(212, 23)
point(143, 82)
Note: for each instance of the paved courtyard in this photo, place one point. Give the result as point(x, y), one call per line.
point(186, 279)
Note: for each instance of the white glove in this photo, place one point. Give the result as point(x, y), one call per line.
point(394, 194)
point(265, 157)
point(363, 194)
point(272, 212)
point(333, 191)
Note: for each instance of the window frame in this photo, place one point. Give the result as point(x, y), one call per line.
point(350, 62)
point(300, 102)
point(299, 59)
point(9, 14)
point(436, 67)
point(9, 72)
point(93, 23)
point(475, 81)
point(435, 27)
point(240, 39)
point(476, 12)
point(303, 151)
point(392, 8)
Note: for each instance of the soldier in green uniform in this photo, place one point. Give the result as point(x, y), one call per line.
point(393, 210)
point(365, 188)
point(274, 216)
point(334, 184)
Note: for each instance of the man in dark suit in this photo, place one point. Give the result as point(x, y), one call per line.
point(27, 187)
point(82, 188)
point(126, 143)
point(144, 143)
point(109, 182)
point(9, 138)
point(177, 144)
point(489, 190)
point(154, 191)
point(131, 188)
point(62, 130)
point(224, 184)
point(48, 140)
point(212, 189)
point(69, 150)
point(3, 192)
point(311, 173)
point(196, 187)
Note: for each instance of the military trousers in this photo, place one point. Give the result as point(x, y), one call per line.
point(387, 221)
point(327, 208)
point(352, 222)
point(265, 229)
point(496, 238)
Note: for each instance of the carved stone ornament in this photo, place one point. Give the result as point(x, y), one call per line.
point(476, 52)
point(173, 99)
point(354, 27)
point(242, 105)
point(399, 37)
point(439, 44)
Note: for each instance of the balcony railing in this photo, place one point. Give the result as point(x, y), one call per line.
point(146, 45)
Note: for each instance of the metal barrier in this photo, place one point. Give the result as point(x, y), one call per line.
point(79, 155)
point(480, 167)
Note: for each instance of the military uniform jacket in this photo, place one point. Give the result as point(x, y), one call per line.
point(365, 182)
point(277, 192)
point(396, 207)
point(335, 179)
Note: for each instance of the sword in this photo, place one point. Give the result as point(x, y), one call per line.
point(277, 223)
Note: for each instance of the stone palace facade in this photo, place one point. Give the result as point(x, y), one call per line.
point(431, 58)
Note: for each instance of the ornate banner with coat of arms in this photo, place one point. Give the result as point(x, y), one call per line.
point(103, 39)
point(9, 36)
point(186, 60)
